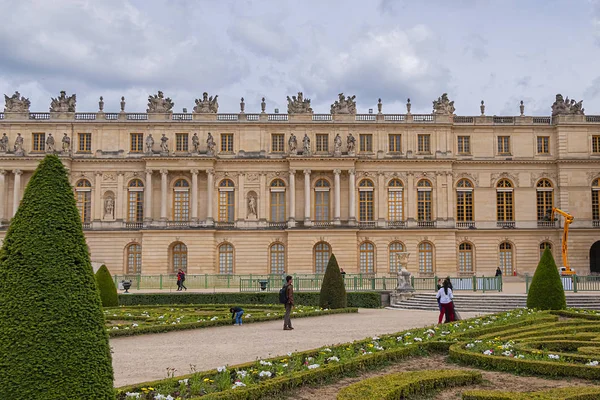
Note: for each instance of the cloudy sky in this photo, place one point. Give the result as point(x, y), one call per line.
point(498, 51)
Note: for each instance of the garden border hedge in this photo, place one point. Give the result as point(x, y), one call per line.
point(570, 393)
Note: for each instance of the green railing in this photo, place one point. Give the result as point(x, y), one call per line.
point(472, 283)
point(574, 283)
point(353, 283)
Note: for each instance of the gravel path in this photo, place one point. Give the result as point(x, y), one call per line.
point(144, 358)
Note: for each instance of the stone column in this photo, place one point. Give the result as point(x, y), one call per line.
point(148, 197)
point(17, 190)
point(380, 211)
point(210, 178)
point(241, 208)
point(2, 196)
point(450, 193)
point(410, 197)
point(336, 197)
point(97, 210)
point(352, 203)
point(163, 194)
point(263, 198)
point(292, 196)
point(438, 210)
point(307, 221)
point(194, 196)
point(121, 196)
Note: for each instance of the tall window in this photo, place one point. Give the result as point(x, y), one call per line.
point(226, 259)
point(367, 258)
point(135, 207)
point(322, 252)
point(506, 258)
point(181, 200)
point(595, 202)
point(136, 143)
point(134, 259)
point(227, 142)
point(424, 143)
point(545, 199)
point(395, 200)
point(464, 200)
point(83, 189)
point(464, 145)
point(503, 144)
point(366, 143)
point(277, 143)
point(85, 142)
point(395, 143)
point(424, 200)
point(365, 200)
point(544, 246)
point(543, 144)
point(465, 257)
point(181, 142)
point(322, 200)
point(226, 201)
point(425, 257)
point(39, 142)
point(596, 144)
point(504, 200)
point(277, 258)
point(277, 201)
point(179, 257)
point(394, 249)
point(322, 143)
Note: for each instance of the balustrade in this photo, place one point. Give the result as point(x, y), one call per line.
point(423, 118)
point(252, 117)
point(365, 117)
point(542, 120)
point(465, 224)
point(504, 120)
point(367, 224)
point(396, 224)
point(546, 224)
point(277, 117)
point(227, 117)
point(181, 117)
point(134, 225)
point(111, 116)
point(426, 224)
point(1, 115)
point(506, 224)
point(596, 223)
point(463, 120)
point(592, 118)
point(394, 117)
point(322, 117)
point(277, 225)
point(137, 116)
point(85, 116)
point(39, 115)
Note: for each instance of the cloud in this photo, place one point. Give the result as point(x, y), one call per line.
point(263, 37)
point(476, 46)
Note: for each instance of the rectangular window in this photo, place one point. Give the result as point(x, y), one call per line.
point(278, 206)
point(277, 143)
point(322, 143)
point(395, 145)
point(424, 144)
point(365, 205)
point(366, 143)
point(595, 205)
point(85, 142)
point(543, 144)
point(596, 144)
point(137, 143)
point(424, 205)
point(181, 142)
point(464, 206)
point(504, 205)
point(39, 142)
point(227, 142)
point(503, 144)
point(395, 206)
point(464, 145)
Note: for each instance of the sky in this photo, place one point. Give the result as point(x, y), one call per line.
point(501, 52)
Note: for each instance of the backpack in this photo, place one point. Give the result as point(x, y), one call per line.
point(283, 295)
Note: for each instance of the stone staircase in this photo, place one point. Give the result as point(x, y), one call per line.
point(491, 303)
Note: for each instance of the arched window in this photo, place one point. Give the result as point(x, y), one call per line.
point(545, 199)
point(544, 246)
point(506, 258)
point(322, 200)
point(365, 200)
point(181, 200)
point(595, 202)
point(322, 253)
point(395, 200)
point(134, 259)
point(424, 200)
point(465, 257)
point(226, 201)
point(135, 206)
point(179, 257)
point(367, 258)
point(226, 259)
point(83, 189)
point(277, 258)
point(394, 249)
point(277, 201)
point(504, 200)
point(426, 257)
point(464, 200)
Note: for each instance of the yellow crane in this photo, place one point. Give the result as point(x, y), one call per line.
point(565, 248)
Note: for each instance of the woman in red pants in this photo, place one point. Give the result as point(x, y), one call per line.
point(444, 295)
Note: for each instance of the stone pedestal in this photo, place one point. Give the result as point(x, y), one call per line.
point(343, 117)
point(204, 117)
point(62, 115)
point(159, 116)
point(16, 115)
point(300, 117)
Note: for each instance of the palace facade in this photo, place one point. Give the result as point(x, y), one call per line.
point(263, 193)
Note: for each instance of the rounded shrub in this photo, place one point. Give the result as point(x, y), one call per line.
point(546, 291)
point(53, 343)
point(333, 290)
point(107, 288)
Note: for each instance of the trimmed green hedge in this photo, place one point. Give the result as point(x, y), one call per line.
point(402, 385)
point(107, 288)
point(546, 291)
point(575, 314)
point(571, 393)
point(355, 299)
point(333, 290)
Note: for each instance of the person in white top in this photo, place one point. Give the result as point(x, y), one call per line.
point(445, 298)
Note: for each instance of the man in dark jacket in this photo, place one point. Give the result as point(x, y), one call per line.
point(236, 315)
point(289, 291)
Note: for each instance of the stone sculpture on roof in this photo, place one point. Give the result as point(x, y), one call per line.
point(63, 103)
point(159, 104)
point(16, 103)
point(299, 105)
point(567, 107)
point(208, 105)
point(344, 105)
point(443, 105)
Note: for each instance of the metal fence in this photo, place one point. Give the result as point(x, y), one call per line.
point(574, 283)
point(471, 283)
point(353, 283)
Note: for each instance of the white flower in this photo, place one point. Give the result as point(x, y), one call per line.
point(592, 363)
point(313, 366)
point(418, 339)
point(520, 356)
point(446, 332)
point(265, 362)
point(238, 384)
point(375, 337)
point(309, 359)
point(134, 325)
point(289, 354)
point(470, 345)
point(264, 374)
point(430, 331)
point(184, 381)
point(378, 348)
point(242, 374)
point(284, 365)
point(214, 318)
point(134, 395)
point(506, 353)
point(116, 327)
point(163, 397)
point(488, 352)
point(161, 317)
point(248, 316)
point(553, 356)
point(327, 350)
point(478, 341)
point(333, 358)
point(221, 369)
point(268, 314)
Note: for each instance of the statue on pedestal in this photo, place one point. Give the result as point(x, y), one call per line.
point(337, 145)
point(16, 103)
point(63, 103)
point(164, 144)
point(351, 142)
point(293, 144)
point(66, 144)
point(404, 284)
point(4, 143)
point(19, 145)
point(306, 145)
point(50, 144)
point(195, 142)
point(210, 145)
point(149, 144)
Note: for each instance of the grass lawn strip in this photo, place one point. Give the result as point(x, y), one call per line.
point(578, 393)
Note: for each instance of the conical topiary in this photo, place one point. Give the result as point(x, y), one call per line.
point(53, 343)
point(333, 290)
point(106, 285)
point(546, 291)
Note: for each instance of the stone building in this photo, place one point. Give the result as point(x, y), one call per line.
point(266, 193)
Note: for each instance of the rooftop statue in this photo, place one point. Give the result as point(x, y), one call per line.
point(159, 104)
point(63, 103)
point(299, 105)
point(16, 103)
point(208, 105)
point(344, 105)
point(567, 107)
point(443, 105)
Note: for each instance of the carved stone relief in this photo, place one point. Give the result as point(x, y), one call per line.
point(495, 177)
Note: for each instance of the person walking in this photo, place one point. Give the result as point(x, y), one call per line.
point(498, 272)
point(439, 286)
point(180, 280)
point(236, 315)
point(447, 306)
point(289, 292)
